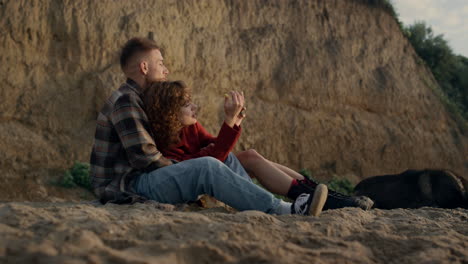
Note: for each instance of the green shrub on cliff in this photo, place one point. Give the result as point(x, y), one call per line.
point(67, 180)
point(341, 185)
point(77, 175)
point(450, 70)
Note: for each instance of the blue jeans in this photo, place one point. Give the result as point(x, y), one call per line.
point(186, 180)
point(234, 164)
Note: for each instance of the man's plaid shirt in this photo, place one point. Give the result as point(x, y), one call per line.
point(123, 146)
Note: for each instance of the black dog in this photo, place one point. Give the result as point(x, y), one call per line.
point(416, 188)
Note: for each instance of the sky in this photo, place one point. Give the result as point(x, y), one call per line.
point(446, 17)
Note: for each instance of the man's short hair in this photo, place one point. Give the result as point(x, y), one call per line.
point(134, 46)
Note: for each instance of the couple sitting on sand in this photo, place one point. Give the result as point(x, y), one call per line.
point(149, 145)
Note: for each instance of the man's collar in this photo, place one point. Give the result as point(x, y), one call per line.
point(133, 85)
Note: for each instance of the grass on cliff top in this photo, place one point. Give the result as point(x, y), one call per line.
point(387, 6)
point(384, 4)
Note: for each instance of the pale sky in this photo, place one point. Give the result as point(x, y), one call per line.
point(447, 17)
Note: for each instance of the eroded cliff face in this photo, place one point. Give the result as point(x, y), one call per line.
point(332, 86)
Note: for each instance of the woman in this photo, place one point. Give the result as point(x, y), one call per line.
point(179, 136)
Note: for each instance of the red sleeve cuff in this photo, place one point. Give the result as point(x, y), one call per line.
point(228, 136)
point(236, 127)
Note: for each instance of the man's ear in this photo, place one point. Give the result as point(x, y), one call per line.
point(144, 67)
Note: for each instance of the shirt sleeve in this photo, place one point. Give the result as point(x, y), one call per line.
point(131, 124)
point(223, 144)
point(204, 136)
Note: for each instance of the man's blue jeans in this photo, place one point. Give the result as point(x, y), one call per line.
point(186, 180)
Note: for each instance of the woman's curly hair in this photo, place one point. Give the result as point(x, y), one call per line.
point(162, 102)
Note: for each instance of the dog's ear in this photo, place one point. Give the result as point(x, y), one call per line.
point(448, 189)
point(463, 184)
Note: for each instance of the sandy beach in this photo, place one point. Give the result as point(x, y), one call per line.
point(142, 233)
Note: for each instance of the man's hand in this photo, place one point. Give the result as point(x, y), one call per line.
point(233, 106)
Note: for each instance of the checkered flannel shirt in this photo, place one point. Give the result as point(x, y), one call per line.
point(123, 146)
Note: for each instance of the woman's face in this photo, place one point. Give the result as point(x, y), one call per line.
point(188, 114)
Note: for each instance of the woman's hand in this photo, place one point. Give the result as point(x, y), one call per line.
point(233, 106)
point(241, 116)
point(211, 145)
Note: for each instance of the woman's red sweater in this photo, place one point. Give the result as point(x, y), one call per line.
point(195, 140)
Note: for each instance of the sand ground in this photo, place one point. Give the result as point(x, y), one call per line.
point(142, 233)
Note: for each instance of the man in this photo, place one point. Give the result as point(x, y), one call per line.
point(127, 167)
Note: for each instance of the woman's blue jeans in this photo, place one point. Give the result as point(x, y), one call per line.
point(186, 180)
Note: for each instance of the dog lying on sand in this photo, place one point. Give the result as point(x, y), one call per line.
point(416, 188)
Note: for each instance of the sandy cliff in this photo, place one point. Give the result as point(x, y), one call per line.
point(332, 86)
